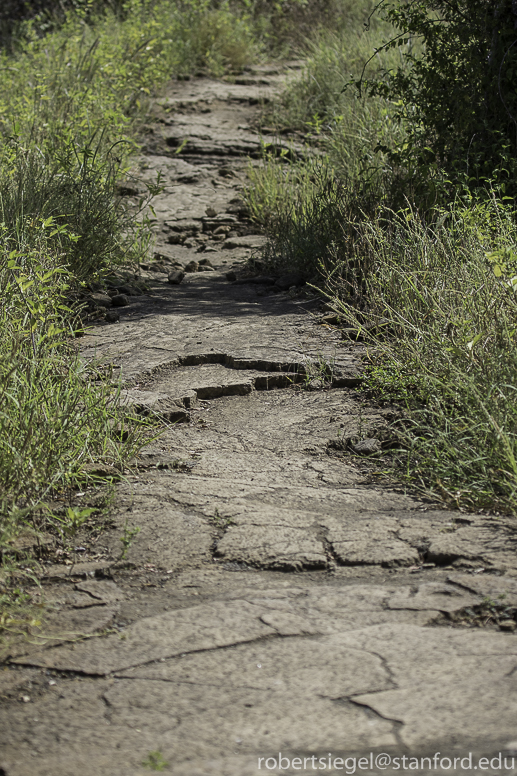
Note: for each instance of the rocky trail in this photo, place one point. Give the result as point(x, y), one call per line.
point(274, 602)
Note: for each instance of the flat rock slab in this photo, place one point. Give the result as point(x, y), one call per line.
point(61, 625)
point(84, 569)
point(169, 537)
point(249, 241)
point(159, 404)
point(84, 594)
point(101, 590)
point(284, 612)
point(502, 590)
point(208, 321)
point(211, 381)
point(383, 684)
point(251, 474)
point(272, 546)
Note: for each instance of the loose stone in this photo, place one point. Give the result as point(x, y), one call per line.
point(367, 447)
point(192, 266)
point(293, 279)
point(100, 300)
point(176, 277)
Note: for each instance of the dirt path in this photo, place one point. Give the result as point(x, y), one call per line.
point(273, 601)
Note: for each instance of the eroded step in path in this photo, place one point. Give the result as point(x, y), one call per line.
point(272, 601)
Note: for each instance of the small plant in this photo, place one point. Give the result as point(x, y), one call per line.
point(155, 761)
point(221, 521)
point(317, 373)
point(128, 538)
point(18, 615)
point(73, 520)
point(488, 612)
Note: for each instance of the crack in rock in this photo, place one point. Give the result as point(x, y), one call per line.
point(397, 724)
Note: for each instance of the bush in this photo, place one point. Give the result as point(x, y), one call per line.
point(453, 92)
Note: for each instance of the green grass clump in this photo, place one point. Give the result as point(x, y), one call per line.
point(447, 354)
point(310, 214)
point(325, 104)
point(54, 418)
point(311, 206)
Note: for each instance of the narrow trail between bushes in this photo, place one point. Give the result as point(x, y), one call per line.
point(274, 600)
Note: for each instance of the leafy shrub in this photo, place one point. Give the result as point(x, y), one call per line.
point(453, 91)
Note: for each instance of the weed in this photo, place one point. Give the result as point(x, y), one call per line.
point(316, 373)
point(221, 521)
point(74, 520)
point(18, 615)
point(54, 420)
point(128, 538)
point(155, 761)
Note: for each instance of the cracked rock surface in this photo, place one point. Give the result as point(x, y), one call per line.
point(274, 600)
